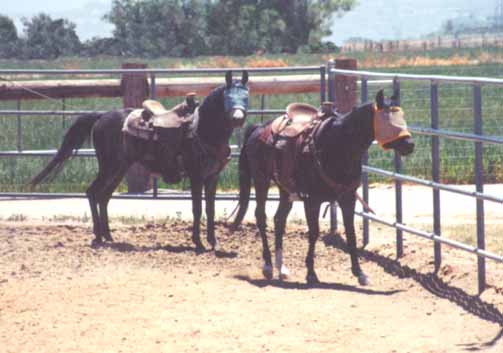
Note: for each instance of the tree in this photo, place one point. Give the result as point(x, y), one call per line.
point(308, 21)
point(9, 45)
point(245, 26)
point(159, 27)
point(48, 39)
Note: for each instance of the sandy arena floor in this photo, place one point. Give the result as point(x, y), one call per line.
point(150, 292)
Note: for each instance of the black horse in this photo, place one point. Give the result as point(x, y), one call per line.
point(204, 150)
point(329, 171)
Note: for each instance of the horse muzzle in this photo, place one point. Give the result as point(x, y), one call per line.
point(238, 117)
point(404, 146)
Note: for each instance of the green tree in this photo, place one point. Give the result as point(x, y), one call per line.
point(9, 45)
point(308, 21)
point(46, 38)
point(245, 26)
point(159, 27)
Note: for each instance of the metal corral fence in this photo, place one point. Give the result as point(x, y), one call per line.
point(435, 133)
point(426, 94)
point(54, 93)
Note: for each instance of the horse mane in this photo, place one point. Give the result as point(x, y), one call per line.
point(211, 125)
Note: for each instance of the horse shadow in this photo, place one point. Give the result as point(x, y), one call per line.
point(261, 283)
point(125, 247)
point(472, 304)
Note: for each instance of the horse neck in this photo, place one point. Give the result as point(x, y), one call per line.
point(213, 128)
point(352, 134)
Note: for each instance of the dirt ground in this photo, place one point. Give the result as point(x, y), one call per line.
point(150, 292)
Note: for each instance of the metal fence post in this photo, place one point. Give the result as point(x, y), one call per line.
point(331, 97)
point(323, 83)
point(398, 189)
point(435, 173)
point(479, 183)
point(365, 175)
point(153, 95)
point(19, 128)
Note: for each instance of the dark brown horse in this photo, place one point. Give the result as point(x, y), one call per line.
point(204, 149)
point(329, 170)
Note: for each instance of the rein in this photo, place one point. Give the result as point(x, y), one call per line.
point(338, 187)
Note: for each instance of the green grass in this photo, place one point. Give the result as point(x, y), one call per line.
point(455, 112)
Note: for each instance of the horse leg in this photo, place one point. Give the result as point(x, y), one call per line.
point(210, 189)
point(347, 204)
point(312, 211)
point(92, 195)
point(280, 217)
point(196, 188)
point(261, 190)
point(106, 194)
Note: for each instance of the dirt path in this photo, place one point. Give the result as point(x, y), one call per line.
point(150, 292)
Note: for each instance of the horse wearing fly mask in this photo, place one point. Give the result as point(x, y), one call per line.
point(198, 140)
point(328, 168)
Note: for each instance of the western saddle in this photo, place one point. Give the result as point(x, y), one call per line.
point(151, 122)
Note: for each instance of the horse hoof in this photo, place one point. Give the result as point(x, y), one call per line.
point(267, 271)
point(284, 273)
point(215, 246)
point(200, 249)
point(96, 243)
point(312, 278)
point(363, 280)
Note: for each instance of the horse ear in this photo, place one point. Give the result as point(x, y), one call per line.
point(395, 97)
point(244, 78)
point(380, 99)
point(228, 78)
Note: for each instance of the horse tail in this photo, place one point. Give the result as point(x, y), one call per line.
point(74, 138)
point(245, 179)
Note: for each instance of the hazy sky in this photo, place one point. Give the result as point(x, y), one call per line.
point(375, 19)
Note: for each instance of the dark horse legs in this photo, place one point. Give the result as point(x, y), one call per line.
point(99, 194)
point(210, 188)
point(312, 211)
point(347, 203)
point(261, 191)
point(280, 217)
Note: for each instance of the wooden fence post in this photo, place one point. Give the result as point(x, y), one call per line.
point(345, 86)
point(135, 91)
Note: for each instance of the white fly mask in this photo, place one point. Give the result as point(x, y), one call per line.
point(389, 125)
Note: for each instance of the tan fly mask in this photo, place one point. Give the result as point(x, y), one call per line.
point(389, 125)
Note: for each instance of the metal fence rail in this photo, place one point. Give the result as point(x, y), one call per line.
point(476, 137)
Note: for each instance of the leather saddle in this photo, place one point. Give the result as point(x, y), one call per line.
point(154, 122)
point(298, 117)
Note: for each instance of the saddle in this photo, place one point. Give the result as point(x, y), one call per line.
point(155, 123)
point(298, 117)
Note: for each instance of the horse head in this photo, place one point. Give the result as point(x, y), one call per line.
point(390, 127)
point(236, 99)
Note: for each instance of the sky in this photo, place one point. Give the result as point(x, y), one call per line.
point(373, 19)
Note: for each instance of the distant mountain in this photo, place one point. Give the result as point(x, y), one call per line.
point(404, 19)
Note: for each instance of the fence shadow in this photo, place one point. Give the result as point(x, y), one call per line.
point(472, 304)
